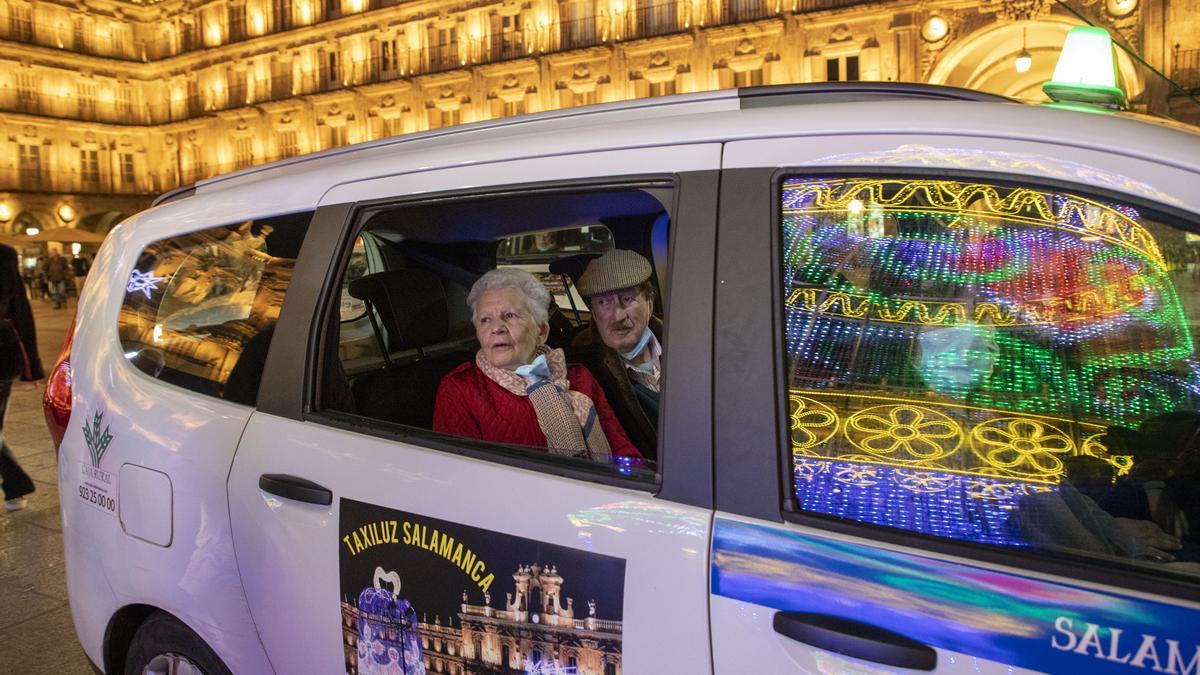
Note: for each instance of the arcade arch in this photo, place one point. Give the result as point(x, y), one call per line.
point(984, 60)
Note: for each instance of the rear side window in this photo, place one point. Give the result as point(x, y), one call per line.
point(999, 364)
point(409, 344)
point(200, 308)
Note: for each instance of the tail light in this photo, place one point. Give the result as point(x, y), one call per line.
point(56, 401)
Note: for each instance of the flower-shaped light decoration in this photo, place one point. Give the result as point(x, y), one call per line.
point(904, 434)
point(812, 424)
point(807, 469)
point(924, 482)
point(857, 475)
point(1022, 447)
point(979, 489)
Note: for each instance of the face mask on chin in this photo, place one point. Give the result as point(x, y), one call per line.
point(633, 353)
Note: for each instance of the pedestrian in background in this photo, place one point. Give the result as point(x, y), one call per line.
point(79, 269)
point(58, 273)
point(18, 359)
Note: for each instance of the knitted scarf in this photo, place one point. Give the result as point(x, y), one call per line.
point(567, 418)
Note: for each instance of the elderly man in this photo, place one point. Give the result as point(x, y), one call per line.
point(622, 349)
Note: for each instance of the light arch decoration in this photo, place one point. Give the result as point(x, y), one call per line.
point(984, 60)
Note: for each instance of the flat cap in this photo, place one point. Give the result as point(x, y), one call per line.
point(616, 269)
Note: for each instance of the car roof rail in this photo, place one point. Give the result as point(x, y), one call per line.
point(174, 195)
point(845, 92)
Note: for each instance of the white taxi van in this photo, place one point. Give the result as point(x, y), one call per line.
point(930, 400)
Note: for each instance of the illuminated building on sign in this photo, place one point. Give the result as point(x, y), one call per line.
point(535, 631)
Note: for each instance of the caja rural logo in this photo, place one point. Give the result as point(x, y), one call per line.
point(97, 441)
point(96, 484)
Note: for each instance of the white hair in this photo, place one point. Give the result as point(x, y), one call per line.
point(537, 298)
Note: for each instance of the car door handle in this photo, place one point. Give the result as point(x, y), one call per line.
point(855, 639)
point(298, 489)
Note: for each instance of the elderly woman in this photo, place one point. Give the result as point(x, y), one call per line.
point(520, 391)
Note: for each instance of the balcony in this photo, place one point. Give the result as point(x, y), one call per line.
point(115, 46)
point(34, 179)
point(1185, 69)
point(651, 19)
point(72, 107)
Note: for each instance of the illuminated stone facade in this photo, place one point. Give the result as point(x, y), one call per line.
point(536, 632)
point(105, 103)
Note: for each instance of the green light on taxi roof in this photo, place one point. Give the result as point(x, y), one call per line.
point(1087, 69)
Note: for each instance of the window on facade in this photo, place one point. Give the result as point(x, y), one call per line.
point(333, 74)
point(337, 136)
point(443, 48)
point(999, 364)
point(507, 37)
point(89, 169)
point(29, 162)
point(585, 98)
point(744, 10)
point(82, 34)
point(388, 126)
point(844, 69)
point(514, 107)
point(748, 78)
point(655, 17)
point(389, 62)
point(200, 308)
point(289, 145)
point(281, 79)
point(578, 23)
point(406, 340)
point(664, 88)
point(117, 38)
point(20, 22)
point(28, 91)
point(85, 92)
point(124, 100)
point(281, 16)
point(237, 21)
point(449, 118)
point(243, 152)
point(128, 176)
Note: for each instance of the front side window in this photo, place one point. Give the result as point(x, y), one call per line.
point(200, 308)
point(515, 363)
point(998, 364)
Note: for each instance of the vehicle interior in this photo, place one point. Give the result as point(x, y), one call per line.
point(403, 320)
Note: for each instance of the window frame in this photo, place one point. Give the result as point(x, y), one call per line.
point(296, 392)
point(739, 492)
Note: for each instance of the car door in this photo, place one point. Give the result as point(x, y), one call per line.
point(967, 462)
point(428, 554)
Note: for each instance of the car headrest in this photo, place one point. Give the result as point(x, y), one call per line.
point(572, 265)
point(411, 304)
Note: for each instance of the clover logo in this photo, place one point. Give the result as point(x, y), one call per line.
point(97, 441)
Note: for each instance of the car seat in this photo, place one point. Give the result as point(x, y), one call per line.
point(412, 308)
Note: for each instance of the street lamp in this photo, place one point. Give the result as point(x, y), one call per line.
point(5, 212)
point(66, 213)
point(1024, 59)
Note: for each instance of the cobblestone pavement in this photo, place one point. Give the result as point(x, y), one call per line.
point(36, 633)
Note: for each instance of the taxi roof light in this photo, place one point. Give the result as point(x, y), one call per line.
point(1087, 69)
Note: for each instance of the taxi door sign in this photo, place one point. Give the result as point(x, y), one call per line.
point(416, 591)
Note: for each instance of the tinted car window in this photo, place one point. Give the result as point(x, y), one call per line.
point(200, 308)
point(1006, 365)
point(412, 267)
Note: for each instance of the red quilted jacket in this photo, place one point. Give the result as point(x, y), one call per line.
point(470, 404)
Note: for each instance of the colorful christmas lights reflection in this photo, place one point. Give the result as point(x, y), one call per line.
point(953, 344)
point(928, 502)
